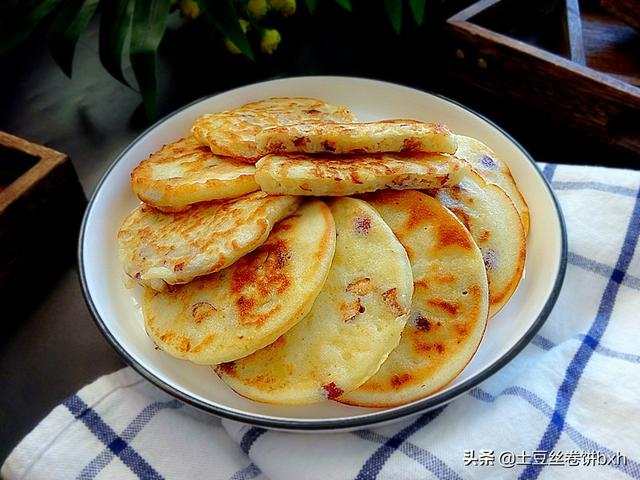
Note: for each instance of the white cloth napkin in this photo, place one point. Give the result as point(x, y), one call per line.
point(574, 393)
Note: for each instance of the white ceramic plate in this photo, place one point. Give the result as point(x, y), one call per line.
point(117, 312)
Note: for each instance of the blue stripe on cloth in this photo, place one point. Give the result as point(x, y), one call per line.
point(424, 457)
point(249, 438)
point(91, 470)
point(549, 170)
point(374, 464)
point(604, 270)
point(546, 344)
point(247, 473)
point(602, 187)
point(631, 467)
point(587, 347)
point(132, 459)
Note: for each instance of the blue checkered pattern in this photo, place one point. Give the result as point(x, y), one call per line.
point(574, 389)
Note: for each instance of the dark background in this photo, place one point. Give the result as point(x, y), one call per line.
point(49, 345)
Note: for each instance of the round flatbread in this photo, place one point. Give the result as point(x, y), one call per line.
point(186, 172)
point(493, 170)
point(354, 324)
point(248, 305)
point(233, 132)
point(493, 221)
point(341, 175)
point(159, 249)
point(449, 306)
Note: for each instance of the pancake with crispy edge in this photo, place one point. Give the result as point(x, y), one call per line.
point(493, 221)
point(186, 172)
point(354, 324)
point(232, 313)
point(159, 249)
point(372, 137)
point(449, 306)
point(342, 175)
point(233, 132)
point(493, 170)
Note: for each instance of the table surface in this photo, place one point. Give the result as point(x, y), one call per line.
point(50, 347)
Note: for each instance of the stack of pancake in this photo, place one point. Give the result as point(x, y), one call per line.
point(310, 257)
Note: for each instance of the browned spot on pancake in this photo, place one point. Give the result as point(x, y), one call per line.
point(351, 309)
point(419, 212)
point(305, 186)
point(332, 390)
point(444, 278)
point(280, 342)
point(439, 348)
point(361, 286)
point(300, 141)
point(228, 368)
point(313, 111)
point(451, 308)
point(484, 236)
point(421, 347)
point(398, 380)
point(258, 277)
point(422, 323)
point(450, 234)
point(355, 178)
point(204, 343)
point(390, 297)
point(410, 144)
point(178, 267)
point(201, 311)
point(185, 345)
point(329, 146)
point(362, 225)
point(462, 329)
point(422, 283)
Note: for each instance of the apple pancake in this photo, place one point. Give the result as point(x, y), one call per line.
point(186, 172)
point(449, 306)
point(233, 132)
point(493, 221)
point(238, 310)
point(159, 249)
point(493, 170)
point(337, 175)
point(354, 324)
point(373, 137)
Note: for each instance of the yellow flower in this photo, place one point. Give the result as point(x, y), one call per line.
point(257, 8)
point(189, 9)
point(270, 41)
point(232, 47)
point(285, 7)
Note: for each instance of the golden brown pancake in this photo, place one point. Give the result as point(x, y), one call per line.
point(158, 248)
point(449, 305)
point(232, 313)
point(354, 324)
point(338, 175)
point(186, 172)
point(233, 132)
point(493, 221)
point(493, 170)
point(373, 137)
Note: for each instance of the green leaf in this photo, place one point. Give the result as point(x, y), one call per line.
point(147, 29)
point(225, 19)
point(417, 9)
point(70, 21)
point(394, 11)
point(311, 5)
point(19, 18)
point(114, 29)
point(346, 4)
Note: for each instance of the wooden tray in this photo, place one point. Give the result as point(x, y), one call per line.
point(579, 66)
point(41, 206)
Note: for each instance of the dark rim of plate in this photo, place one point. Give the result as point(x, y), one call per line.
point(360, 421)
